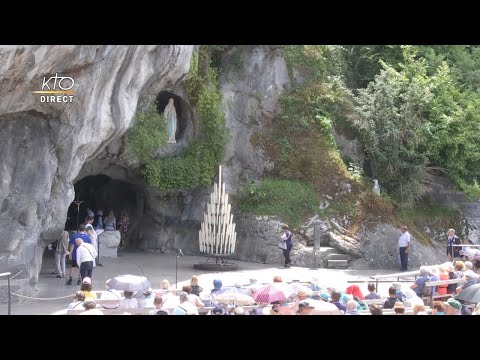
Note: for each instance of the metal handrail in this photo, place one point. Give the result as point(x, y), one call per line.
point(397, 275)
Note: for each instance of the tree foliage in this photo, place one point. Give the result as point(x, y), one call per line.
point(148, 133)
point(420, 115)
point(390, 118)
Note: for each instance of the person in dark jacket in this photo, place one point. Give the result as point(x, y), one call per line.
point(98, 220)
point(196, 289)
point(286, 244)
point(453, 251)
point(392, 298)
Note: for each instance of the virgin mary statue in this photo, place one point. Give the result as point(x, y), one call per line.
point(171, 116)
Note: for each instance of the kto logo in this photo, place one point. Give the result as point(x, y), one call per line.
point(61, 86)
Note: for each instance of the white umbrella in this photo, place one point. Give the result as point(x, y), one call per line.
point(170, 300)
point(129, 283)
point(323, 308)
point(110, 299)
point(233, 296)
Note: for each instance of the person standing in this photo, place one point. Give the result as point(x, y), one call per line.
point(110, 223)
point(93, 235)
point(123, 227)
point(98, 220)
point(404, 246)
point(452, 239)
point(60, 252)
point(86, 255)
point(286, 244)
point(72, 249)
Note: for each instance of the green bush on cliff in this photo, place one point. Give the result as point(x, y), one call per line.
point(148, 133)
point(291, 200)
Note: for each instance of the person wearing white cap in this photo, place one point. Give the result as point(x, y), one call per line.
point(471, 280)
point(87, 289)
point(470, 274)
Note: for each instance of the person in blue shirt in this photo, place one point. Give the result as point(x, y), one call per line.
point(336, 301)
point(421, 281)
point(372, 295)
point(72, 248)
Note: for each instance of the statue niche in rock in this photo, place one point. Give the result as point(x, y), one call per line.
point(171, 115)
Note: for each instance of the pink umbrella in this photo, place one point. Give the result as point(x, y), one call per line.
point(271, 293)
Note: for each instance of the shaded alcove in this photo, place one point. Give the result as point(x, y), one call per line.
point(100, 192)
point(181, 107)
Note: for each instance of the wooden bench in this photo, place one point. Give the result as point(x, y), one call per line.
point(374, 301)
point(408, 311)
point(433, 296)
point(144, 311)
point(396, 275)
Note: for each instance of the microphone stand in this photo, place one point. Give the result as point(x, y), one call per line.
point(98, 243)
point(179, 253)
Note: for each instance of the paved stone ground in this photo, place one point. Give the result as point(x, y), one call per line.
point(157, 266)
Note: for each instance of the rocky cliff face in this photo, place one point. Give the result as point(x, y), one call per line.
point(378, 249)
point(46, 147)
point(253, 79)
point(45, 144)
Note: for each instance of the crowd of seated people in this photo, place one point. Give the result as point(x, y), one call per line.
point(298, 299)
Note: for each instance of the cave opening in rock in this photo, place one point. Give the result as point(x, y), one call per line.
point(101, 192)
point(181, 108)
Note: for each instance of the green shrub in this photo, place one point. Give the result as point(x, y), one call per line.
point(148, 133)
point(293, 201)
